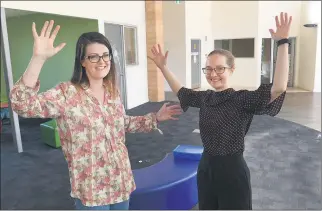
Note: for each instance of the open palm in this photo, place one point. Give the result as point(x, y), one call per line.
point(282, 27)
point(44, 43)
point(167, 112)
point(158, 57)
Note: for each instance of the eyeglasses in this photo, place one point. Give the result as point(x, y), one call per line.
point(96, 58)
point(218, 70)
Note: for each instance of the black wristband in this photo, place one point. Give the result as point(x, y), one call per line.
point(283, 41)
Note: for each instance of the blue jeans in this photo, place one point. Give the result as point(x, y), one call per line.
point(118, 206)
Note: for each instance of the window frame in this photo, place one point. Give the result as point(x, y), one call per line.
point(136, 49)
point(231, 47)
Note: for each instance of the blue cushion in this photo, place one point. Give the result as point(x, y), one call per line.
point(188, 152)
point(170, 184)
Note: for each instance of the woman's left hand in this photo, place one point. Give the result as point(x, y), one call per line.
point(282, 27)
point(167, 112)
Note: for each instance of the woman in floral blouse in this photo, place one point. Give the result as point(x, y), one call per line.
point(91, 118)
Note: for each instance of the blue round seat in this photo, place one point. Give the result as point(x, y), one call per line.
point(170, 184)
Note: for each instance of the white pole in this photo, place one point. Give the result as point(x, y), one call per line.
point(5, 55)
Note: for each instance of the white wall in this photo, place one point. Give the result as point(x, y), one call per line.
point(251, 19)
point(109, 11)
point(317, 78)
point(309, 53)
point(269, 9)
point(174, 39)
point(267, 12)
point(181, 23)
point(239, 19)
point(198, 26)
point(224, 20)
point(315, 17)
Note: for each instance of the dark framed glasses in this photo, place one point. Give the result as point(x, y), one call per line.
point(94, 58)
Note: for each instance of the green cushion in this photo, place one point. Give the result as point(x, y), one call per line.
point(49, 133)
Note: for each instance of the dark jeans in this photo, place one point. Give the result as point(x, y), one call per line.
point(224, 183)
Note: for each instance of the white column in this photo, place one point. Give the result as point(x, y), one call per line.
point(314, 17)
point(317, 78)
point(5, 54)
point(101, 27)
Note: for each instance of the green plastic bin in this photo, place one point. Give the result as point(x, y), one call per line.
point(49, 133)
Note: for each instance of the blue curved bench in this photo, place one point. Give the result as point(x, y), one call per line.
point(170, 184)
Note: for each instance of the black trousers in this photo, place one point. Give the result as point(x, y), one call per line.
point(224, 183)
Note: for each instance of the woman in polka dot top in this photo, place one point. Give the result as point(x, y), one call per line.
point(225, 116)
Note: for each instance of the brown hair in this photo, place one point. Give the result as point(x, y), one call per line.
point(79, 76)
point(230, 59)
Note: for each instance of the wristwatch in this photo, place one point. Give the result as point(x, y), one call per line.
point(283, 41)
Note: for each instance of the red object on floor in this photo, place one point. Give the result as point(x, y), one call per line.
point(2, 105)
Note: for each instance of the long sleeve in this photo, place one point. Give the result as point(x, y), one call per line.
point(190, 98)
point(137, 124)
point(26, 101)
point(258, 101)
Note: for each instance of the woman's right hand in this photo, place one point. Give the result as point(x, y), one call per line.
point(44, 43)
point(158, 58)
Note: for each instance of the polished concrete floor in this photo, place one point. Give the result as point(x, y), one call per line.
point(300, 106)
point(303, 108)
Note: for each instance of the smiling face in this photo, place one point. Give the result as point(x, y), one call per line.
point(97, 61)
point(94, 63)
point(219, 67)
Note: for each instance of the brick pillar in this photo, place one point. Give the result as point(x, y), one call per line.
point(154, 35)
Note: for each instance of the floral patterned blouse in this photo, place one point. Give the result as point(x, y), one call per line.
point(92, 137)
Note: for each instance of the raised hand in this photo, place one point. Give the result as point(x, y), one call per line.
point(167, 112)
point(158, 57)
point(44, 43)
point(282, 27)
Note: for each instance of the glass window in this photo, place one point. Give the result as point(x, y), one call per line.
point(131, 51)
point(240, 48)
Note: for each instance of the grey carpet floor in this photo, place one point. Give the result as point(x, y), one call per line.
point(284, 159)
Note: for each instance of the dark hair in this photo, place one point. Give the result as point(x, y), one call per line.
point(79, 75)
point(230, 59)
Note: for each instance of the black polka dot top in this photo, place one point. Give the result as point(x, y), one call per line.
point(225, 117)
